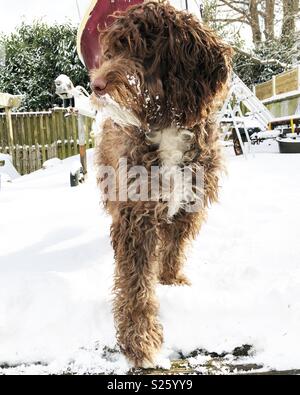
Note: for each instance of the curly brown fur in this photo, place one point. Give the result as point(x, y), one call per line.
point(174, 238)
point(169, 71)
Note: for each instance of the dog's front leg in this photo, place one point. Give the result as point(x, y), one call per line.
point(134, 237)
point(174, 238)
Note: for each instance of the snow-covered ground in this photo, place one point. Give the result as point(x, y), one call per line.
point(56, 267)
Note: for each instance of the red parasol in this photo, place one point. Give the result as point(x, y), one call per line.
point(98, 16)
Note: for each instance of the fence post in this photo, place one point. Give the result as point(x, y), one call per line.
point(10, 129)
point(82, 143)
point(274, 93)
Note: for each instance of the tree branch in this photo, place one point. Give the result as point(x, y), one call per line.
point(239, 10)
point(260, 61)
point(226, 22)
point(243, 3)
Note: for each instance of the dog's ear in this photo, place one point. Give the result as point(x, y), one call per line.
point(213, 58)
point(197, 66)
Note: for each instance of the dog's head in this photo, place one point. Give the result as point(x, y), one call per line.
point(162, 64)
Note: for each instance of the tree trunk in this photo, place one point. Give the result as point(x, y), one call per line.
point(269, 19)
point(290, 10)
point(254, 17)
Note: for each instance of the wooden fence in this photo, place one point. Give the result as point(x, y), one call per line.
point(39, 136)
point(286, 82)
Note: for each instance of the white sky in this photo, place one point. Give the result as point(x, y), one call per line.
point(12, 12)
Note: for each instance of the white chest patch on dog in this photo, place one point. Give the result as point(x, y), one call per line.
point(173, 144)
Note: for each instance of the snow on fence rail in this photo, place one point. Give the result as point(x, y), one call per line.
point(39, 136)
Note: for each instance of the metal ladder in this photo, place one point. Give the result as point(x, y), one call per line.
point(243, 95)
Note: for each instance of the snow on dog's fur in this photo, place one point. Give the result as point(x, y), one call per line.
point(161, 78)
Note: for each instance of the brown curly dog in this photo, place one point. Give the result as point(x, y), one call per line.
point(161, 78)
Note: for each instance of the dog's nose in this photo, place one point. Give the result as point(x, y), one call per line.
point(98, 86)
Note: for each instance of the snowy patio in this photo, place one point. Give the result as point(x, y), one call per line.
point(56, 267)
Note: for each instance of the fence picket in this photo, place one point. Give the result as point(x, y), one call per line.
point(42, 134)
point(28, 130)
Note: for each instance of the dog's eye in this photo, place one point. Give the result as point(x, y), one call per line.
point(107, 55)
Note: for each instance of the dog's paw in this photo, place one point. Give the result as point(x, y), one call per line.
point(180, 280)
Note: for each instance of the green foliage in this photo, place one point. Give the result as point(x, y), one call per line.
point(251, 72)
point(35, 56)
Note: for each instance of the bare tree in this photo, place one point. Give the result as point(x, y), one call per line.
point(290, 12)
point(273, 24)
point(260, 15)
point(269, 18)
point(243, 11)
point(254, 21)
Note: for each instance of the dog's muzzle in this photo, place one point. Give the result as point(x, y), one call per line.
point(99, 86)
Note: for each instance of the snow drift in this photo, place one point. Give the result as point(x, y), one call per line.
point(56, 272)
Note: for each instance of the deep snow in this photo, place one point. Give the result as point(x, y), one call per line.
point(56, 267)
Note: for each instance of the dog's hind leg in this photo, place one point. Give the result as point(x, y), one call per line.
point(173, 240)
point(134, 237)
